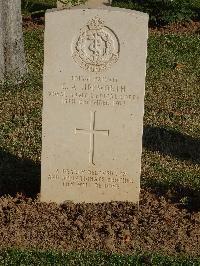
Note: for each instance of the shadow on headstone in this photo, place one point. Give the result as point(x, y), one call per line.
point(172, 143)
point(18, 175)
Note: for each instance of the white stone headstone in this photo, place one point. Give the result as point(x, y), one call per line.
point(93, 105)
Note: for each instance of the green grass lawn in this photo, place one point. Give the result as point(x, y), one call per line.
point(171, 154)
point(37, 258)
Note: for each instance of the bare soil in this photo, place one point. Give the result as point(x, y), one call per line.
point(190, 27)
point(120, 227)
point(30, 23)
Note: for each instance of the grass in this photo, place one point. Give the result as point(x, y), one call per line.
point(172, 131)
point(17, 257)
point(171, 143)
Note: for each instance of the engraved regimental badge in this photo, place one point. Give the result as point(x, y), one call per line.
point(96, 48)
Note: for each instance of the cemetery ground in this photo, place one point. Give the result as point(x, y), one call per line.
point(168, 220)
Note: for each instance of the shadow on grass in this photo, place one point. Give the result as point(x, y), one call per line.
point(184, 196)
point(23, 175)
point(182, 147)
point(18, 176)
point(172, 143)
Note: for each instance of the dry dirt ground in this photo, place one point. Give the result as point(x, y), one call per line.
point(192, 27)
point(119, 227)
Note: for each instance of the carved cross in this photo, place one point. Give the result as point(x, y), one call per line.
point(91, 132)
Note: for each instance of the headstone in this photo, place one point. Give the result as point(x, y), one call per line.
point(87, 4)
point(12, 56)
point(93, 104)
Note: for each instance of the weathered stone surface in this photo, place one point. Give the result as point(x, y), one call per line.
point(94, 79)
point(13, 64)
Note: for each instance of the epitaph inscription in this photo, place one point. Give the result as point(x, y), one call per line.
point(98, 179)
